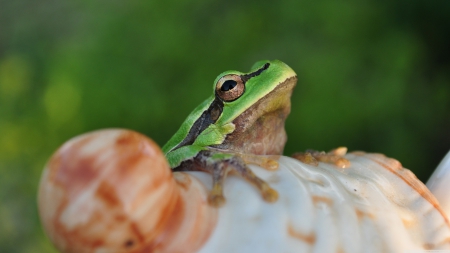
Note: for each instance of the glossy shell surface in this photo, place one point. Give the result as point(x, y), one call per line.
point(112, 191)
point(439, 183)
point(375, 205)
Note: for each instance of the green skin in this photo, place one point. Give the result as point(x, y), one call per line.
point(256, 88)
point(243, 119)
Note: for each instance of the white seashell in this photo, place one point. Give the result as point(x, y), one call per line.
point(439, 184)
point(103, 190)
point(375, 205)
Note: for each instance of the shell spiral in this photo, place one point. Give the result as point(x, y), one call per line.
point(113, 191)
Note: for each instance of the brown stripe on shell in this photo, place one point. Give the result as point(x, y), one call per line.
point(407, 176)
point(322, 199)
point(308, 238)
point(112, 190)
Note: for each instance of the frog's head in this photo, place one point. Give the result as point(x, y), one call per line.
point(257, 103)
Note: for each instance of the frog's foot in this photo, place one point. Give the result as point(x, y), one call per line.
point(335, 156)
point(268, 193)
point(219, 173)
point(232, 164)
point(266, 162)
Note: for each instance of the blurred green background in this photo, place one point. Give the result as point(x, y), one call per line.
point(374, 75)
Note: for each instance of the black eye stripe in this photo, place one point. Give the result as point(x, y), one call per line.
point(256, 73)
point(228, 85)
point(208, 117)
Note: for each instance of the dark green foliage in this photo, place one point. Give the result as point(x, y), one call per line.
point(373, 76)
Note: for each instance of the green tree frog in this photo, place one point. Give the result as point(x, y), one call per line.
point(242, 119)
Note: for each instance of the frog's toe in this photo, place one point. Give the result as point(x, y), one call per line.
point(270, 194)
point(269, 164)
point(337, 160)
point(342, 162)
point(335, 157)
point(216, 197)
point(340, 151)
point(266, 162)
point(306, 157)
point(216, 200)
point(267, 192)
point(236, 164)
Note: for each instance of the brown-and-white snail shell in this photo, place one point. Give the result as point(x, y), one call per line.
point(113, 191)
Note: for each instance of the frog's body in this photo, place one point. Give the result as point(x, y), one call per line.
point(266, 94)
point(244, 117)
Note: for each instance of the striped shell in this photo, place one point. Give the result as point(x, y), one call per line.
point(112, 191)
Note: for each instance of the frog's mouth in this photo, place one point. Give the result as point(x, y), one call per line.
point(260, 129)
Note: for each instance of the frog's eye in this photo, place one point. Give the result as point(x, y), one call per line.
point(230, 88)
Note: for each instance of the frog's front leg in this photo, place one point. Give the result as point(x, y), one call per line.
point(268, 162)
point(219, 165)
point(335, 156)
